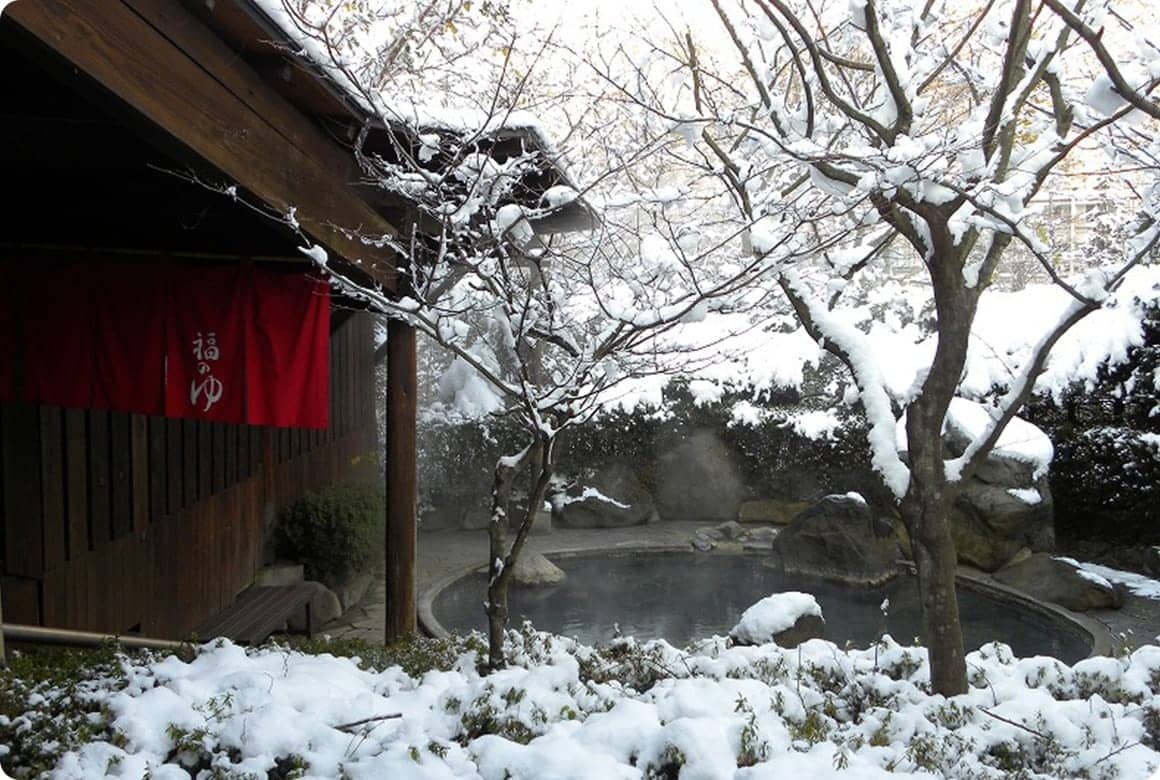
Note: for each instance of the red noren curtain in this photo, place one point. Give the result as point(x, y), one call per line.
point(225, 344)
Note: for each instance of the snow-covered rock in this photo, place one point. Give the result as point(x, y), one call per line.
point(838, 538)
point(787, 619)
point(1061, 581)
point(612, 498)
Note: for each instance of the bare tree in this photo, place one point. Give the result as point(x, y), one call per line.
point(544, 322)
point(838, 130)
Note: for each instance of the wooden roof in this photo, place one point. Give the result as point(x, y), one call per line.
point(269, 50)
point(154, 66)
point(213, 88)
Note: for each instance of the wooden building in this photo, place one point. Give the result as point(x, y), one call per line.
point(120, 522)
point(125, 125)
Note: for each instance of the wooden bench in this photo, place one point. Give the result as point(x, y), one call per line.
point(260, 611)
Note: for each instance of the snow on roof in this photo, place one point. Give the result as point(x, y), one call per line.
point(423, 114)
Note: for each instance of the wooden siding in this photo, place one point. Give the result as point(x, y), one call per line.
point(118, 522)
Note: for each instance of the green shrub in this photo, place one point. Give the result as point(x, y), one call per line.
point(417, 655)
point(336, 532)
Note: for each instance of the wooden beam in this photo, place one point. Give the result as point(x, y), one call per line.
point(171, 70)
point(402, 500)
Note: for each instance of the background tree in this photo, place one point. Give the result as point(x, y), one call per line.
point(543, 329)
point(840, 130)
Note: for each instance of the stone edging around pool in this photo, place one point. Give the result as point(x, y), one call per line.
point(1102, 641)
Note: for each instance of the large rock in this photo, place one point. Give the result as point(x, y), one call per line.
point(1060, 581)
point(838, 538)
point(532, 568)
point(978, 545)
point(991, 521)
point(787, 619)
point(699, 479)
point(1006, 505)
point(325, 606)
point(613, 498)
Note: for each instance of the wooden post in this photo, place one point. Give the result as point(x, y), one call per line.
point(402, 494)
point(3, 649)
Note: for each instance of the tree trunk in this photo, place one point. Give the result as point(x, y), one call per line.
point(400, 537)
point(927, 505)
point(497, 579)
point(502, 560)
point(497, 618)
point(928, 524)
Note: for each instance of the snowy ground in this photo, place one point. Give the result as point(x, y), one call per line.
point(629, 711)
point(1144, 587)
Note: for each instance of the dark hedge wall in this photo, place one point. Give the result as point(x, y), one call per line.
point(1106, 476)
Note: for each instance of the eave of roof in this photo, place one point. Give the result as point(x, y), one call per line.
point(251, 26)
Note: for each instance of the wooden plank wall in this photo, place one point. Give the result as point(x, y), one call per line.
point(118, 522)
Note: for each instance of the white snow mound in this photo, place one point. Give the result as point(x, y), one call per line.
point(774, 614)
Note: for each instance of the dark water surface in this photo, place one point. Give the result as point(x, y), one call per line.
point(687, 596)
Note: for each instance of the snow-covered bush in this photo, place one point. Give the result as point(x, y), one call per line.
point(631, 710)
point(1106, 431)
point(47, 705)
point(776, 459)
point(336, 532)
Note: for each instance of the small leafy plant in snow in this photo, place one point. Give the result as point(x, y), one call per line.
point(563, 709)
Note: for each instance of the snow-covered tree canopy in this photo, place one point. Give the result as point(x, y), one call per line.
point(543, 326)
point(850, 134)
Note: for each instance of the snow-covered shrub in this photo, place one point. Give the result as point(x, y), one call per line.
point(1106, 484)
point(1106, 474)
point(560, 709)
point(336, 532)
point(415, 655)
point(49, 704)
point(776, 458)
